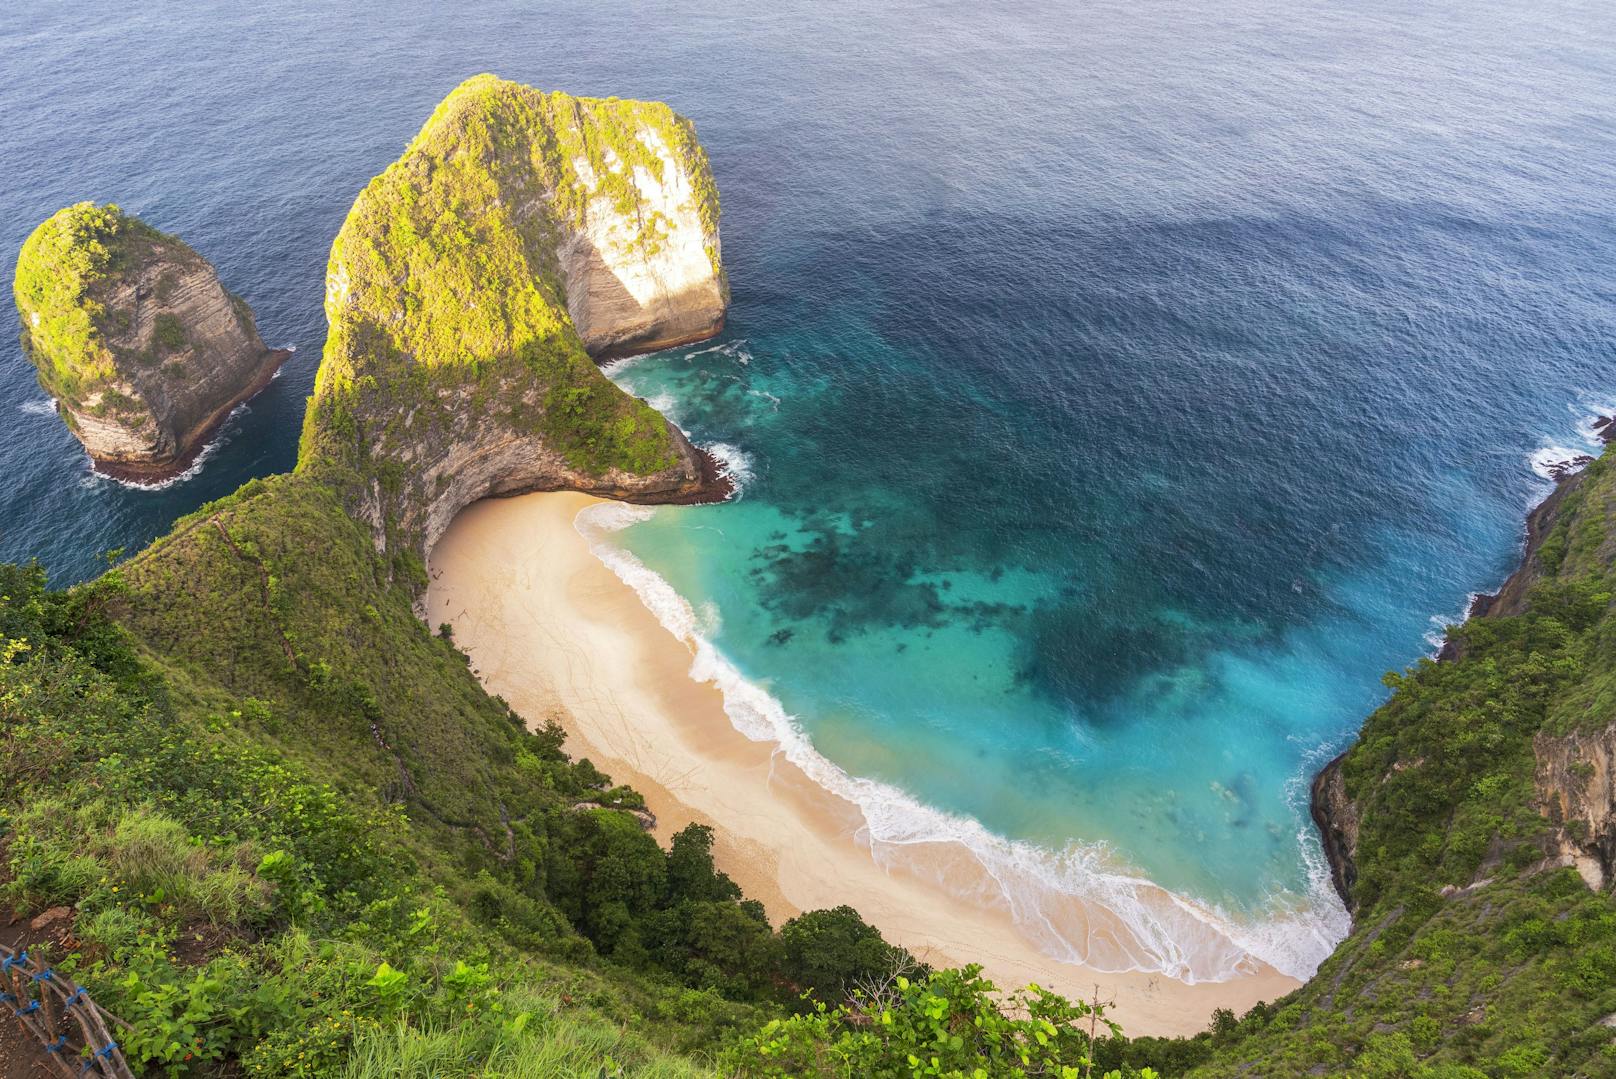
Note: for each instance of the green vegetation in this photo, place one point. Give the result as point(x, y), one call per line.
point(170, 334)
point(300, 839)
point(62, 273)
point(953, 1023)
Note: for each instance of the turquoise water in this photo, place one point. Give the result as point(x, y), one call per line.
point(1117, 389)
point(1116, 603)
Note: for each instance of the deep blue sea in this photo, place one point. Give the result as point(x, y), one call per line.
point(1118, 388)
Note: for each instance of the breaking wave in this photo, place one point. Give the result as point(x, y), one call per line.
point(193, 470)
point(1119, 921)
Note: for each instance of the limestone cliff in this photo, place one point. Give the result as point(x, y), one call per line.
point(143, 349)
point(1576, 780)
point(521, 235)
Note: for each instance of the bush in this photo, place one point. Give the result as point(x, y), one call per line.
point(952, 1023)
point(170, 334)
point(830, 952)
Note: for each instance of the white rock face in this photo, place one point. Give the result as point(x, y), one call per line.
point(1576, 780)
point(648, 282)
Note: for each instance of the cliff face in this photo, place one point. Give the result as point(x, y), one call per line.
point(1576, 780)
point(521, 235)
point(1560, 791)
point(133, 334)
point(631, 290)
point(1336, 817)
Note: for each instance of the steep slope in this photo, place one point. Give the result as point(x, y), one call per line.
point(520, 233)
point(142, 347)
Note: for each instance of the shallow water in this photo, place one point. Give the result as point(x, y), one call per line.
point(1118, 389)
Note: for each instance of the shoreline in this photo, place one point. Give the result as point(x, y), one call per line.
point(553, 630)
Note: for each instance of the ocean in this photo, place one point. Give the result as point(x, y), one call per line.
point(1115, 390)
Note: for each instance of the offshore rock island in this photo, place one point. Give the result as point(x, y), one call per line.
point(143, 349)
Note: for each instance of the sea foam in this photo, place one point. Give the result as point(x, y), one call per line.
point(734, 462)
point(1120, 920)
point(1546, 461)
point(193, 470)
point(1554, 457)
point(1437, 635)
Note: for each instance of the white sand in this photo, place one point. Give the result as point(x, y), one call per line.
point(555, 633)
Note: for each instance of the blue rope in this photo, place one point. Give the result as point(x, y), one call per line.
point(33, 1006)
point(7, 998)
point(78, 995)
point(56, 1046)
point(99, 1054)
point(17, 961)
point(44, 975)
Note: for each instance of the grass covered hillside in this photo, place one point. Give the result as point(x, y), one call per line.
point(299, 839)
point(294, 827)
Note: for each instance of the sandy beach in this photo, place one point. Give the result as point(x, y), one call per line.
point(558, 635)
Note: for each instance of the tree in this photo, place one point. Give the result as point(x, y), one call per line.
point(831, 951)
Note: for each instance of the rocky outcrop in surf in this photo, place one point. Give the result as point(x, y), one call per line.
point(521, 236)
point(1336, 817)
point(142, 347)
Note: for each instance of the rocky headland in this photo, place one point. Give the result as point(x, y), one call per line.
point(144, 350)
point(522, 236)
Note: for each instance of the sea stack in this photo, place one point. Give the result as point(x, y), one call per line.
point(143, 349)
point(522, 236)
